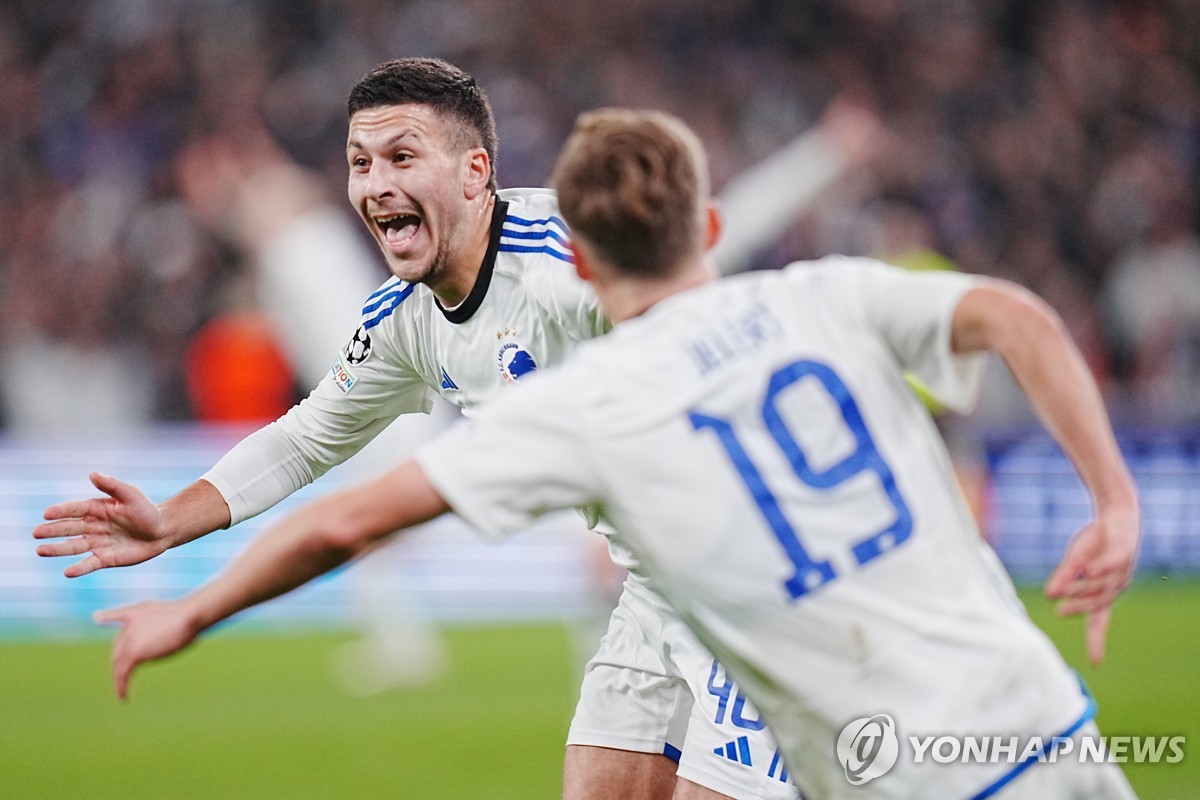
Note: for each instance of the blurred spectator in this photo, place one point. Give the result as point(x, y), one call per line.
point(236, 372)
point(1152, 293)
point(1056, 142)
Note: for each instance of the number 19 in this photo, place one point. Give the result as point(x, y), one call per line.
point(811, 574)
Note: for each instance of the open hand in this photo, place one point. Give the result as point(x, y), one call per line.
point(119, 530)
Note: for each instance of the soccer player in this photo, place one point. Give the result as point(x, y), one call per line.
point(484, 294)
point(755, 444)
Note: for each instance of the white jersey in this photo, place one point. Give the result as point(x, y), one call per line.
point(528, 309)
point(754, 442)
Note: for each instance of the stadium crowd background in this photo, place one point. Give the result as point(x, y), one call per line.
point(1055, 143)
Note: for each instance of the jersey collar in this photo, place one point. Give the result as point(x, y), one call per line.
point(467, 308)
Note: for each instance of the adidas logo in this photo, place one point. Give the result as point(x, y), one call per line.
point(737, 750)
point(447, 383)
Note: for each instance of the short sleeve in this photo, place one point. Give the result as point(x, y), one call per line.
point(522, 456)
point(913, 311)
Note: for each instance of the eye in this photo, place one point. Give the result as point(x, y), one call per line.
point(358, 162)
point(401, 157)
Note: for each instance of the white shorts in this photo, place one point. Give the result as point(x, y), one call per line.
point(1070, 779)
point(653, 688)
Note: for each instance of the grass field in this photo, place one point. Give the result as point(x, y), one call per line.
point(245, 716)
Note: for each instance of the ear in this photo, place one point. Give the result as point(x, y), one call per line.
point(583, 268)
point(714, 223)
point(478, 171)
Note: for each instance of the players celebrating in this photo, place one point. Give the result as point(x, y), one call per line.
point(756, 448)
point(484, 294)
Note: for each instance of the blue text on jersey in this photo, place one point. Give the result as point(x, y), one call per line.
point(811, 574)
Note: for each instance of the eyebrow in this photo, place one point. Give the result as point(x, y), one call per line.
point(354, 144)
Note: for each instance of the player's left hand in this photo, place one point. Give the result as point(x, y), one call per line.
point(149, 631)
point(1097, 567)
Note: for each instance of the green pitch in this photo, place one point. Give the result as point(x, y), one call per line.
point(1149, 684)
point(244, 716)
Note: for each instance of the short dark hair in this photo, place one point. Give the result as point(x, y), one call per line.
point(634, 185)
point(439, 85)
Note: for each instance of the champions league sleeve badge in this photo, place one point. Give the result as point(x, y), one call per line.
point(355, 352)
point(359, 346)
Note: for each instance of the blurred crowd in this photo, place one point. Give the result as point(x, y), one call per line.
point(1056, 143)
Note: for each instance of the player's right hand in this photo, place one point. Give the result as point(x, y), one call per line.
point(149, 631)
point(1096, 568)
point(119, 530)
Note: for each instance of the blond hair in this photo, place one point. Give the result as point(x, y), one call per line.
point(634, 186)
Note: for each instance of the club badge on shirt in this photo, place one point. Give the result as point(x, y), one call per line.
point(513, 357)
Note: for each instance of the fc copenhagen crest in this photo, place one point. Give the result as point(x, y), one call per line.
point(513, 357)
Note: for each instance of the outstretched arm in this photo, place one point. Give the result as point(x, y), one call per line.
point(124, 527)
point(1031, 339)
point(767, 199)
point(315, 273)
point(311, 541)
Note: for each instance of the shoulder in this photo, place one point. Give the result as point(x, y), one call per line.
point(531, 202)
point(838, 268)
point(533, 227)
point(394, 297)
point(864, 273)
point(385, 316)
point(534, 250)
point(837, 281)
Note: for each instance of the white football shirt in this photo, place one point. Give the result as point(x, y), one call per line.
point(753, 441)
point(528, 309)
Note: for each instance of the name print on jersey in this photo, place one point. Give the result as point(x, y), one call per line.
point(734, 338)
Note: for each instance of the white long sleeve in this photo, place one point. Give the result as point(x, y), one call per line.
point(760, 203)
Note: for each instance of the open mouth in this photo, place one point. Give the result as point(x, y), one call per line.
point(398, 229)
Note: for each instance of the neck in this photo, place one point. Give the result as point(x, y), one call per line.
point(453, 280)
point(625, 298)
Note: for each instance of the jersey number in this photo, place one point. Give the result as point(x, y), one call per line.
point(811, 574)
point(722, 691)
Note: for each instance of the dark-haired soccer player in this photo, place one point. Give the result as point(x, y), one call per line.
point(484, 294)
point(755, 444)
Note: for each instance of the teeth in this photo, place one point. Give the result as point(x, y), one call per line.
point(386, 220)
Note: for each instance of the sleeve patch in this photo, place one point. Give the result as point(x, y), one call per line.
point(343, 375)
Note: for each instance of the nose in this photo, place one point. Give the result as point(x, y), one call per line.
point(377, 185)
